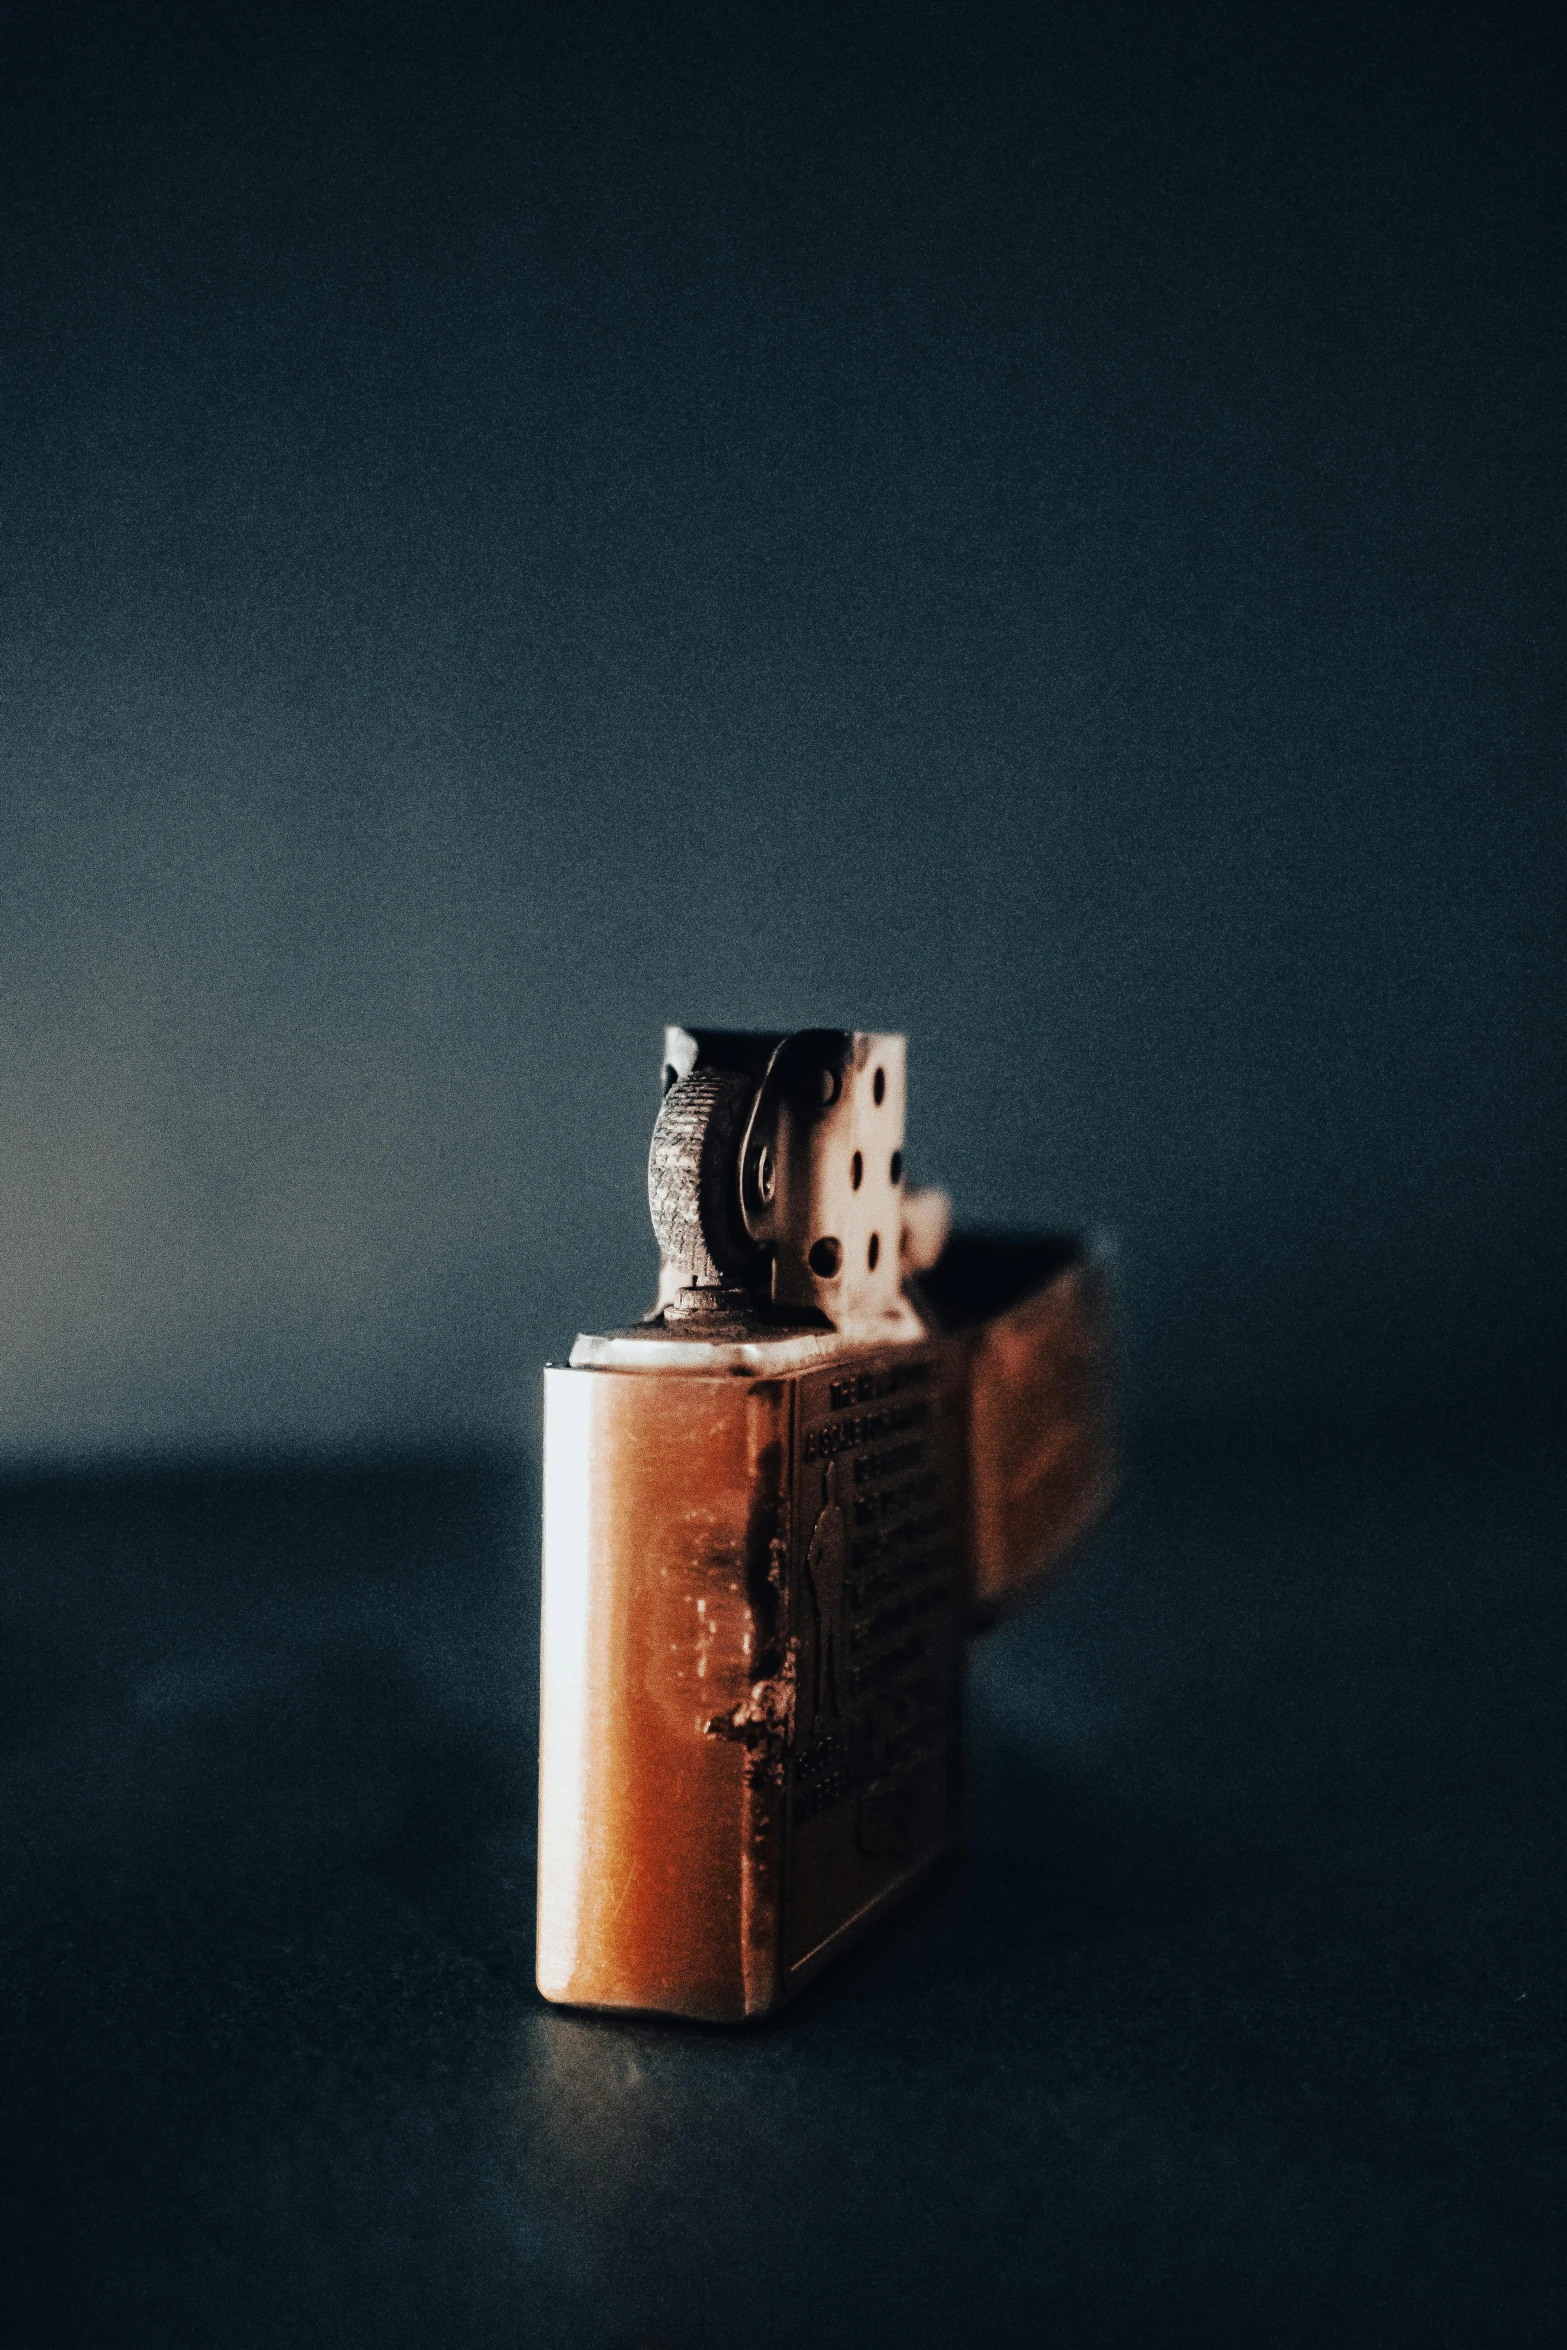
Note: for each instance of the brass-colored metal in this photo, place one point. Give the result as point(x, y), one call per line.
point(767, 1531)
point(1043, 1435)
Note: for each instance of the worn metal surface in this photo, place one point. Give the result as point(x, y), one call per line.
point(768, 1525)
point(752, 1626)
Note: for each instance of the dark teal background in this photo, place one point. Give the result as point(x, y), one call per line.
point(1039, 527)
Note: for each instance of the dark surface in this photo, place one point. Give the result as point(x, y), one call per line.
point(1242, 2022)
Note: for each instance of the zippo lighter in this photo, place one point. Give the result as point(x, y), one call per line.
point(772, 1511)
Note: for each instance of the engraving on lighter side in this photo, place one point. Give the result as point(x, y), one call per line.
point(827, 1561)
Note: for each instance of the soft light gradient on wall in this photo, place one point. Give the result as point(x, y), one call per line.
point(518, 525)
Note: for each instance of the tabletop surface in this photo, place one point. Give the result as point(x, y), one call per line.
point(1241, 2019)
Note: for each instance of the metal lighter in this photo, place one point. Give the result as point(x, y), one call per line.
point(772, 1511)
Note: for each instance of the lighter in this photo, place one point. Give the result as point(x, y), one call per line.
point(772, 1511)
